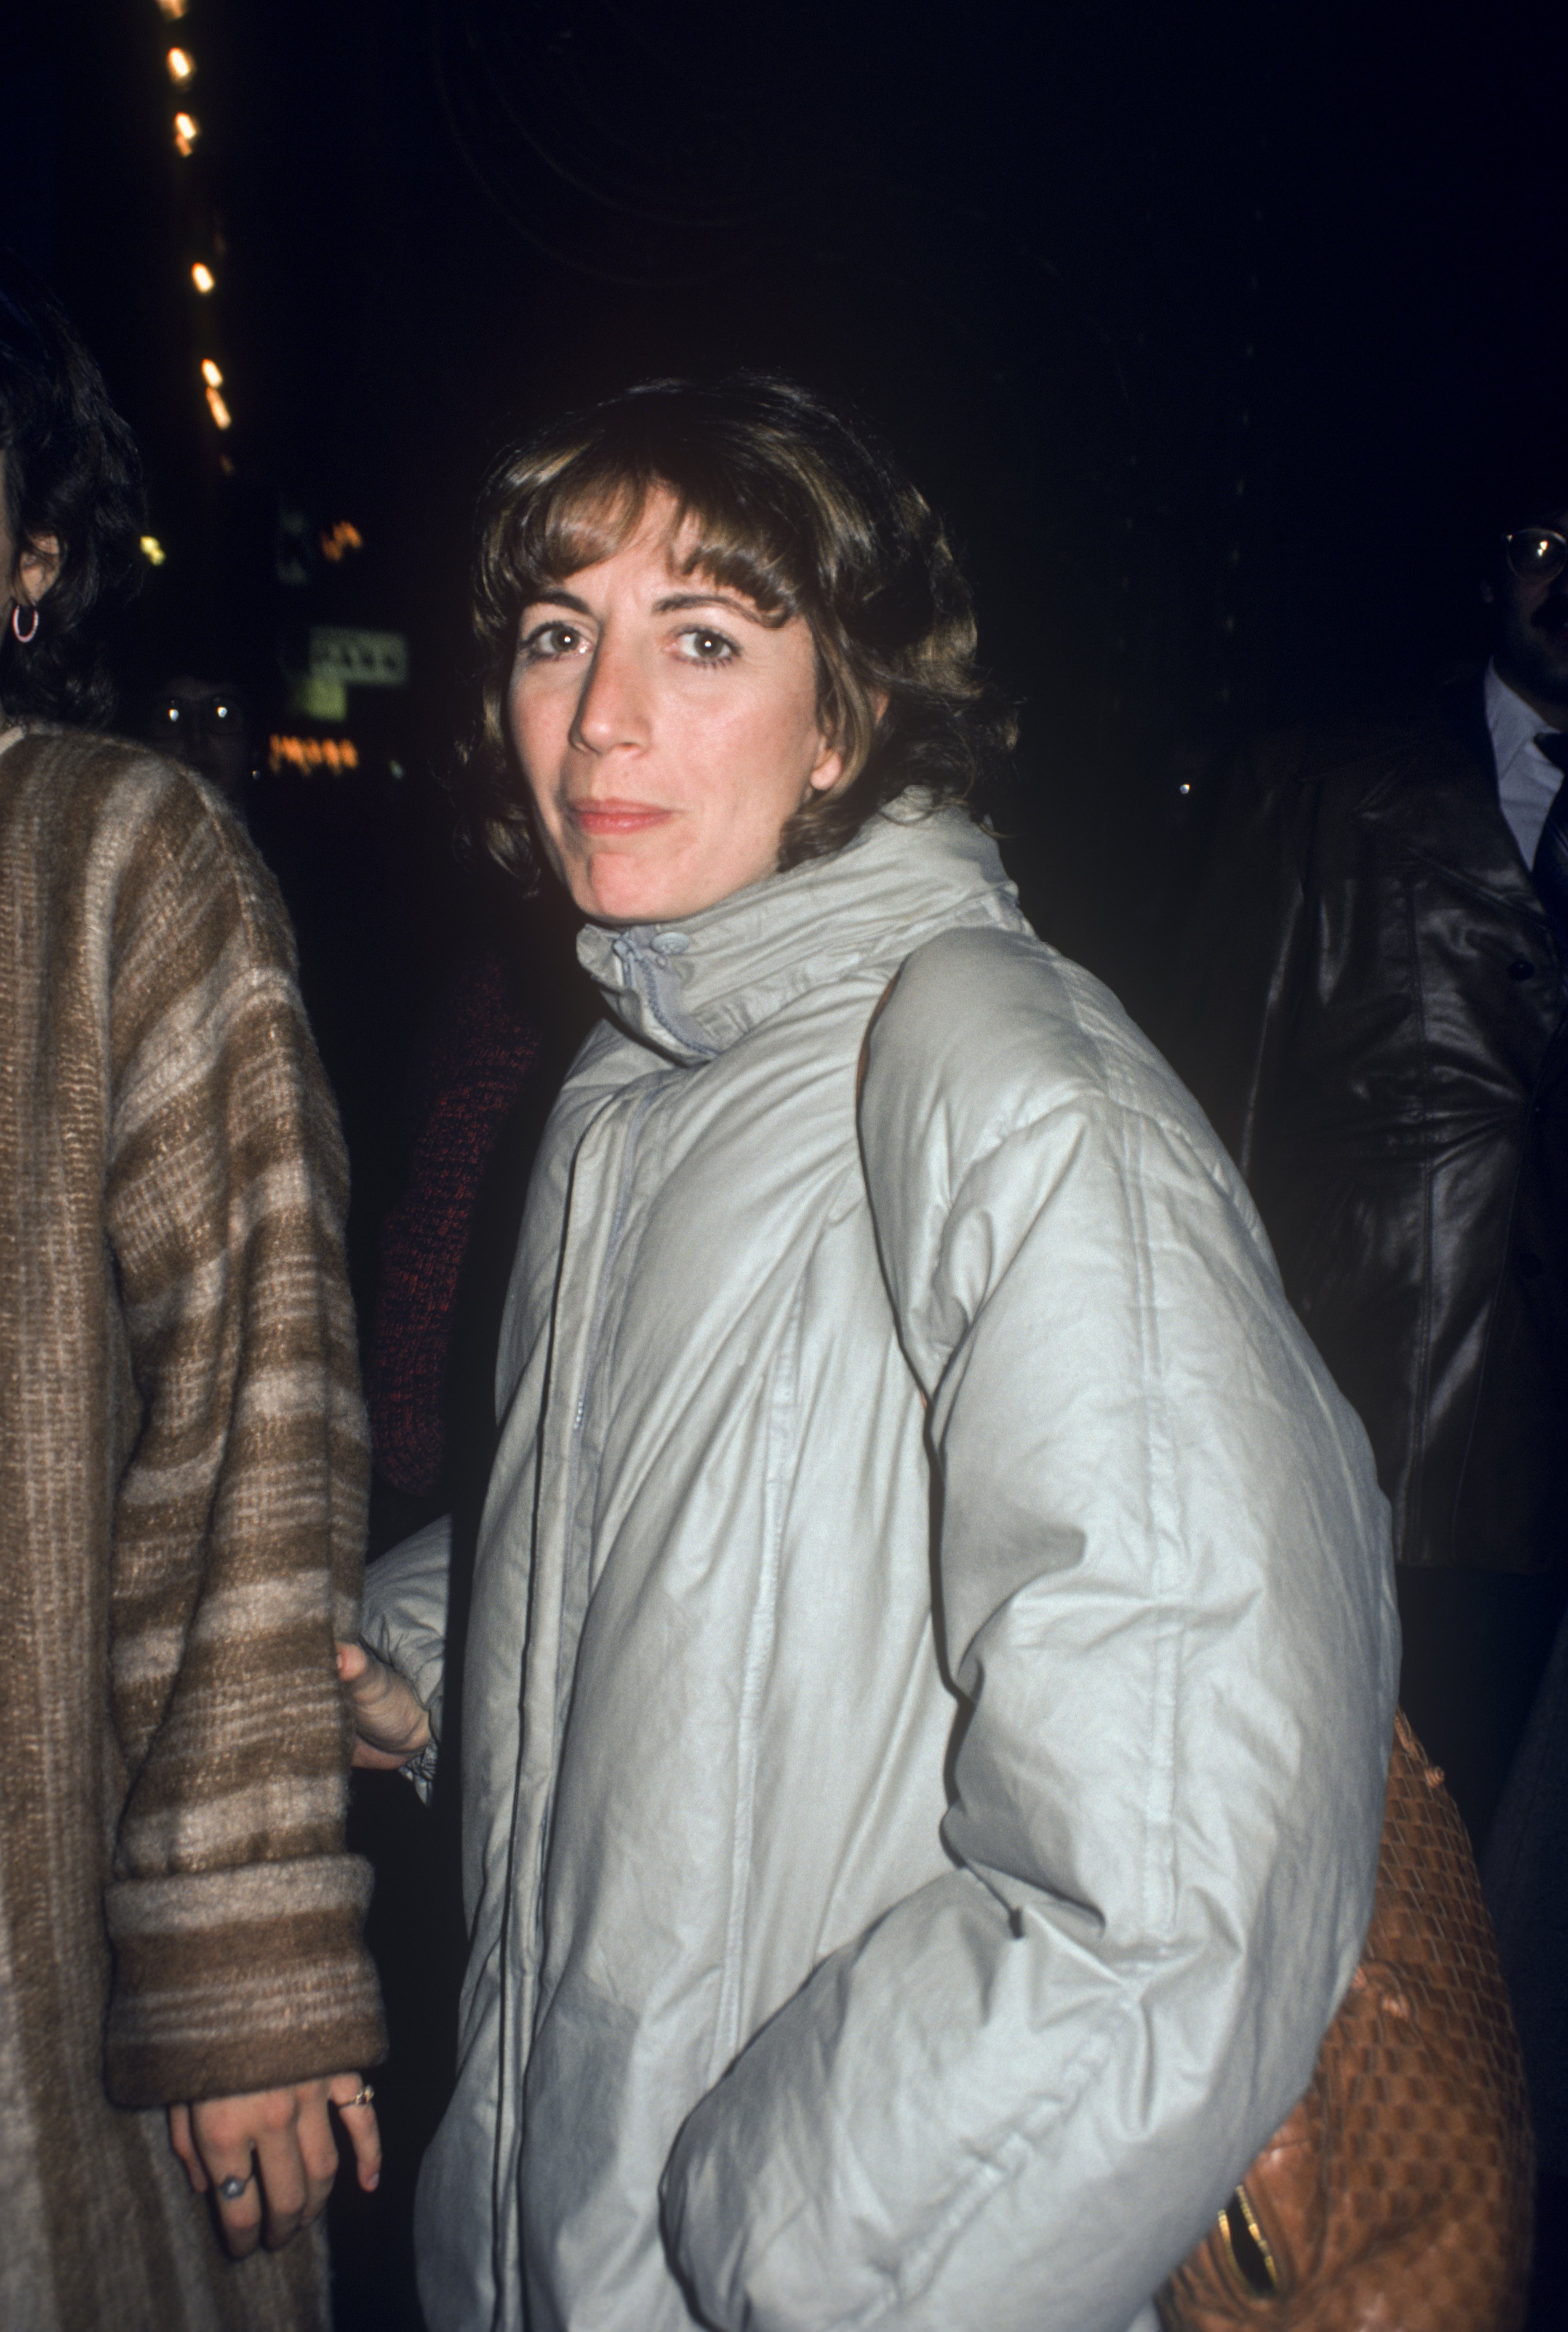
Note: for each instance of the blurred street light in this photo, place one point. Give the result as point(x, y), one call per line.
point(181, 65)
point(185, 133)
point(308, 754)
point(202, 277)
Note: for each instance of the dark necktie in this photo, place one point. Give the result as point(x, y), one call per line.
point(1550, 868)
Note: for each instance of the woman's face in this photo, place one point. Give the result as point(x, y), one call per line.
point(666, 732)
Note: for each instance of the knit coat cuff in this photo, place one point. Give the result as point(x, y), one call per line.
point(232, 1980)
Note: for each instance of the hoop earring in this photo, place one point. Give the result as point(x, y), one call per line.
point(32, 634)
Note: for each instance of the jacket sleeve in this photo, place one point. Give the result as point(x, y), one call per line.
point(1238, 952)
point(233, 1908)
point(1166, 1603)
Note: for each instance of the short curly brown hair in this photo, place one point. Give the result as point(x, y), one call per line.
point(778, 496)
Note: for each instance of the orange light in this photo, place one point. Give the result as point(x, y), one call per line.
point(345, 537)
point(210, 374)
point(173, 9)
point(308, 754)
point(181, 65)
point(185, 133)
point(203, 277)
point(220, 411)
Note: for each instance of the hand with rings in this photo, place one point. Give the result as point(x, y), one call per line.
point(268, 2158)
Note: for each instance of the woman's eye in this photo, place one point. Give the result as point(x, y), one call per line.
point(699, 645)
point(549, 641)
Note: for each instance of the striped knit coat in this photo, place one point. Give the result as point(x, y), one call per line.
point(182, 1469)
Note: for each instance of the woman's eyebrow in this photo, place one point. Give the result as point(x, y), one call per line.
point(675, 600)
point(547, 596)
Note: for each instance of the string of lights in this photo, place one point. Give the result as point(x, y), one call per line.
point(318, 663)
point(181, 65)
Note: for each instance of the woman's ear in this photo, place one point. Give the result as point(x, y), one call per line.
point(829, 767)
point(37, 569)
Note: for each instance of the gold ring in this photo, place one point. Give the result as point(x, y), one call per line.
point(361, 2097)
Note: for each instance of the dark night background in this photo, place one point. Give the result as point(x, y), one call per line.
point(1215, 332)
point(1211, 330)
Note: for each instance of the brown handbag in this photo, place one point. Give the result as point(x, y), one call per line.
point(1399, 2196)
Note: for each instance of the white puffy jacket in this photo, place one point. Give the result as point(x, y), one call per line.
point(932, 1652)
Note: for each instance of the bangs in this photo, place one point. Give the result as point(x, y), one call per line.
point(594, 504)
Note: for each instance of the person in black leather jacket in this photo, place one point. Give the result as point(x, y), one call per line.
point(1368, 998)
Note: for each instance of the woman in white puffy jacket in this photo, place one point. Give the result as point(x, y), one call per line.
point(930, 1674)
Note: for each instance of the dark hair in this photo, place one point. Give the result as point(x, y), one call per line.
point(781, 498)
point(71, 472)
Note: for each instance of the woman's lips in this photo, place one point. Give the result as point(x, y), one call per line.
point(616, 816)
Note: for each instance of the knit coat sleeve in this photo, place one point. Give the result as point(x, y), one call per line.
point(232, 1910)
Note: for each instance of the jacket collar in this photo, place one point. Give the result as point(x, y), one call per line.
point(692, 989)
point(1437, 800)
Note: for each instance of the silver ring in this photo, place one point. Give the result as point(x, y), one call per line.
point(363, 2097)
point(231, 2189)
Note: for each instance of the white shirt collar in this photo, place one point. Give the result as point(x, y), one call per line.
point(1514, 727)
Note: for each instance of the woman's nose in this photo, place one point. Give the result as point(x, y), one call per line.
point(613, 708)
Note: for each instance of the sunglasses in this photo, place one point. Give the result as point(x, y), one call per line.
point(1537, 554)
